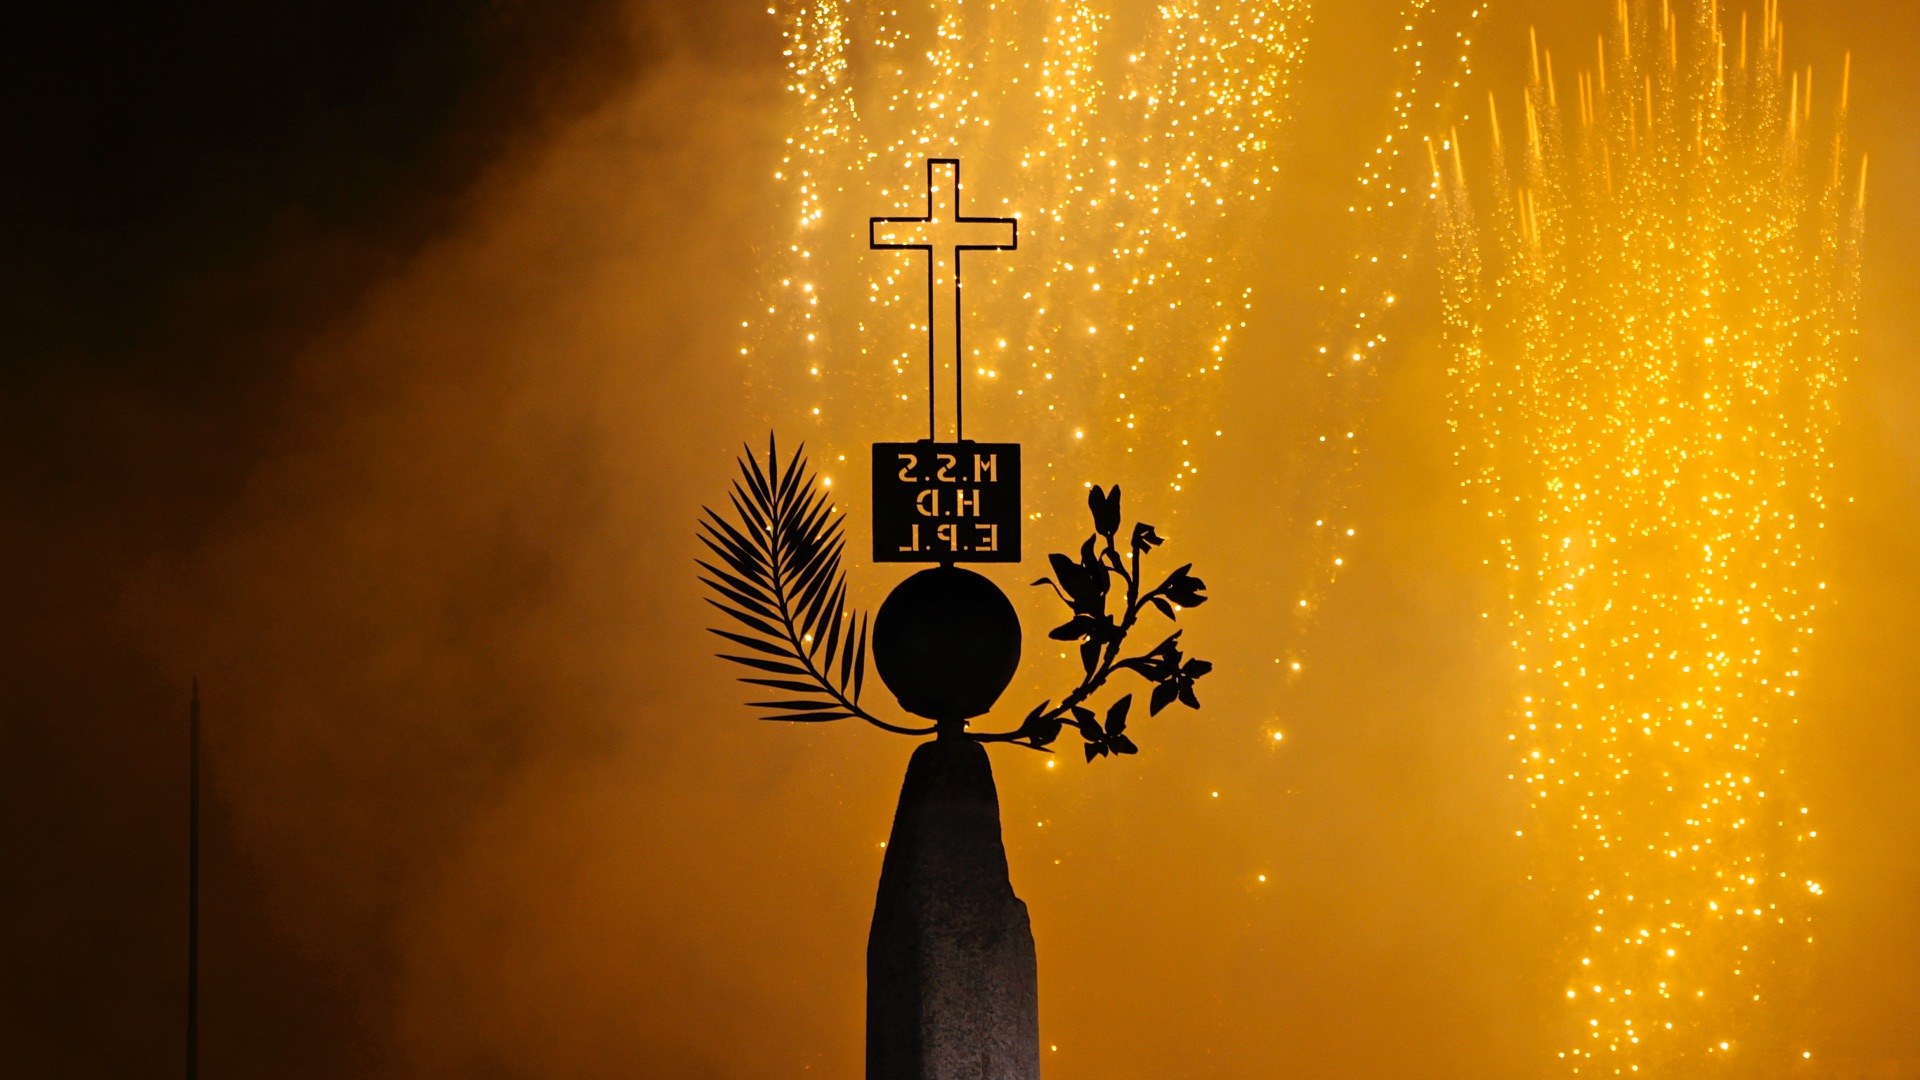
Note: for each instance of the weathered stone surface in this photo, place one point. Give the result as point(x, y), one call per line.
point(952, 986)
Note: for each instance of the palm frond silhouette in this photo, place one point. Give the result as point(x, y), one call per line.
point(781, 582)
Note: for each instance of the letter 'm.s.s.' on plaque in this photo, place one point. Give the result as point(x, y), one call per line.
point(946, 502)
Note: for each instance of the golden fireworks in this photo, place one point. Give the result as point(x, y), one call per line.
point(1136, 148)
point(1646, 348)
point(1645, 358)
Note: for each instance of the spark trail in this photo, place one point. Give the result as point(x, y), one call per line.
point(1646, 338)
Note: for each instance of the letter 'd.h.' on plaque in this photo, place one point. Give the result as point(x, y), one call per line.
point(946, 502)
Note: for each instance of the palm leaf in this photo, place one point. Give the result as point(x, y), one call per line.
point(746, 620)
point(810, 566)
point(817, 594)
point(796, 468)
point(846, 660)
point(774, 666)
point(833, 632)
point(749, 509)
point(735, 547)
point(784, 684)
point(768, 647)
point(777, 573)
point(758, 604)
point(860, 661)
point(739, 552)
point(762, 494)
point(809, 718)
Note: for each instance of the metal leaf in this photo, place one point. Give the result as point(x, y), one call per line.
point(807, 566)
point(784, 684)
point(742, 553)
point(778, 573)
point(749, 508)
point(816, 599)
point(756, 604)
point(790, 480)
point(808, 718)
point(779, 649)
point(1163, 696)
point(758, 593)
point(846, 654)
point(762, 492)
point(747, 620)
point(774, 666)
point(860, 661)
point(833, 633)
point(811, 544)
point(805, 575)
point(748, 564)
point(806, 528)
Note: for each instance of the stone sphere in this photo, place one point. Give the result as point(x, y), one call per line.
point(946, 642)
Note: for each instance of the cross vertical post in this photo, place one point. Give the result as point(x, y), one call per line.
point(944, 233)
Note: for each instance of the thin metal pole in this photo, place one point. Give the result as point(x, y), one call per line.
point(959, 365)
point(933, 350)
point(193, 885)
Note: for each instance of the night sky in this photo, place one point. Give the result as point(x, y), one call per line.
point(371, 362)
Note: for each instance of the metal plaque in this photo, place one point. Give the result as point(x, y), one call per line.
point(946, 502)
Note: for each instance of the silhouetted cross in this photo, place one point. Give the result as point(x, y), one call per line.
point(943, 235)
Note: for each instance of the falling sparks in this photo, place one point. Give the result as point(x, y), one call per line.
point(1433, 53)
point(1645, 357)
point(1138, 154)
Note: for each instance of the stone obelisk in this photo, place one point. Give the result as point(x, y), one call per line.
point(952, 985)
